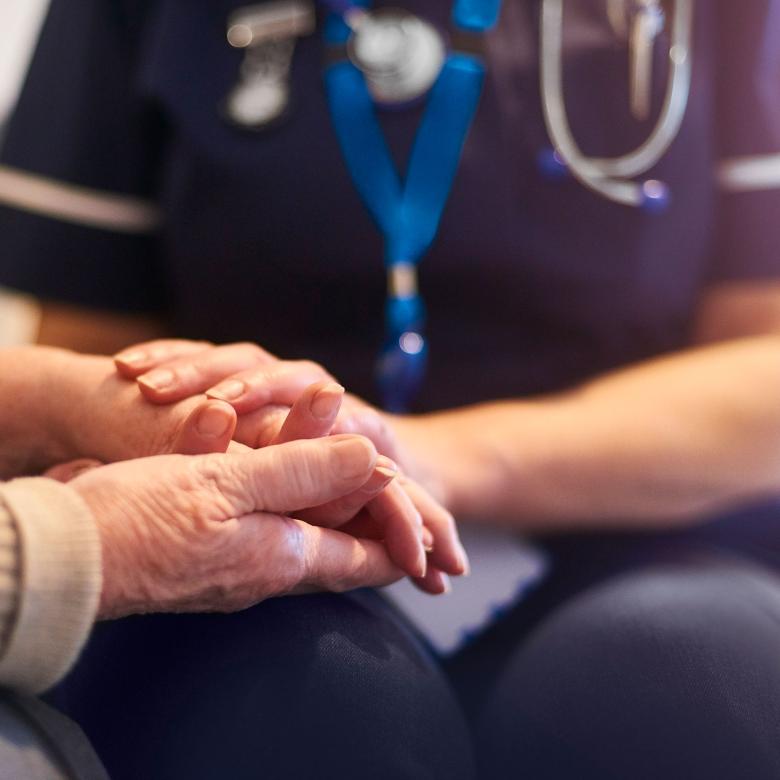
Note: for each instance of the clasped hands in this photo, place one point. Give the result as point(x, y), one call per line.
point(287, 492)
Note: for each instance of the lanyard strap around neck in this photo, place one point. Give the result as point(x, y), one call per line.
point(407, 211)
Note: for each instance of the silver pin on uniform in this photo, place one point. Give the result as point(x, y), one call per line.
point(267, 34)
point(647, 24)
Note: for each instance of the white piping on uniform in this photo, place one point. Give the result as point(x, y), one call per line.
point(745, 174)
point(79, 205)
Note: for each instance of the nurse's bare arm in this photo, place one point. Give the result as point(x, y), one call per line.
point(659, 443)
point(57, 406)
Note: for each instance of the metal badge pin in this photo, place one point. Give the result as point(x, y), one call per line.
point(646, 25)
point(399, 54)
point(616, 14)
point(639, 22)
point(267, 33)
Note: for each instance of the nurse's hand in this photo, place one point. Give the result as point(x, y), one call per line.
point(57, 405)
point(96, 414)
point(258, 385)
point(223, 532)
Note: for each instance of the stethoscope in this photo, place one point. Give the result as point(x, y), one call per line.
point(390, 58)
point(400, 56)
point(612, 176)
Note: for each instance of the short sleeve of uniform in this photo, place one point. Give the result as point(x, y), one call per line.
point(746, 83)
point(79, 221)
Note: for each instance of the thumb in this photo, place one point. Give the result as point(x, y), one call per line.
point(313, 414)
point(209, 428)
point(286, 477)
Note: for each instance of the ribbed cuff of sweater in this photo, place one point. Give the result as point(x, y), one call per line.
point(50, 581)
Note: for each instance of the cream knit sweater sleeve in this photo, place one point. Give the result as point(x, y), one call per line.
point(50, 580)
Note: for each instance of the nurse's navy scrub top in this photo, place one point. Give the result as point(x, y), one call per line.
point(532, 285)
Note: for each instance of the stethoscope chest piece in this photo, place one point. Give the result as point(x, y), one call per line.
point(399, 54)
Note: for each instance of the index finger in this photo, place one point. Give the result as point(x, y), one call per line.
point(339, 562)
point(178, 378)
point(134, 361)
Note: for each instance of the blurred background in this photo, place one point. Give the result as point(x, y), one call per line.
point(20, 22)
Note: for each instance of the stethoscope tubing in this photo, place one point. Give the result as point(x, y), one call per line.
point(609, 176)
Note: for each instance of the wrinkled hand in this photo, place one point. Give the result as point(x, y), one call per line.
point(276, 401)
point(222, 532)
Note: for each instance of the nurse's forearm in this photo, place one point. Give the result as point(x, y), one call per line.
point(30, 400)
point(658, 443)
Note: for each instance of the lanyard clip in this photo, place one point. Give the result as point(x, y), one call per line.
point(266, 33)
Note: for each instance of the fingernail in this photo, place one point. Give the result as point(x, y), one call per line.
point(445, 581)
point(422, 564)
point(227, 391)
point(386, 466)
point(351, 456)
point(131, 358)
point(325, 401)
point(213, 422)
point(463, 559)
point(159, 379)
point(427, 540)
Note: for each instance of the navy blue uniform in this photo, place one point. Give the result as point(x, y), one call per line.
point(532, 285)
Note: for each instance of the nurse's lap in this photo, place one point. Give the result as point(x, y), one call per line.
point(308, 686)
point(644, 655)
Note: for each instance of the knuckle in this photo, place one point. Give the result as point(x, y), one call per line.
point(220, 486)
point(252, 351)
point(291, 560)
point(311, 367)
point(294, 471)
point(445, 520)
point(273, 564)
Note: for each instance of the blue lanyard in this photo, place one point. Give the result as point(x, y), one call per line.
point(407, 212)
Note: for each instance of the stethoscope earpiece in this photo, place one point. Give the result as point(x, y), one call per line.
point(551, 165)
point(655, 196)
point(651, 195)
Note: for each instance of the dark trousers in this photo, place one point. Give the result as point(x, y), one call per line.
point(642, 656)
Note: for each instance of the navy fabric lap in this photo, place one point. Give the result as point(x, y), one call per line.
point(668, 671)
point(649, 653)
point(312, 686)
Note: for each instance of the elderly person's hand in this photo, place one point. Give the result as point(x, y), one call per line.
point(221, 532)
point(277, 402)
